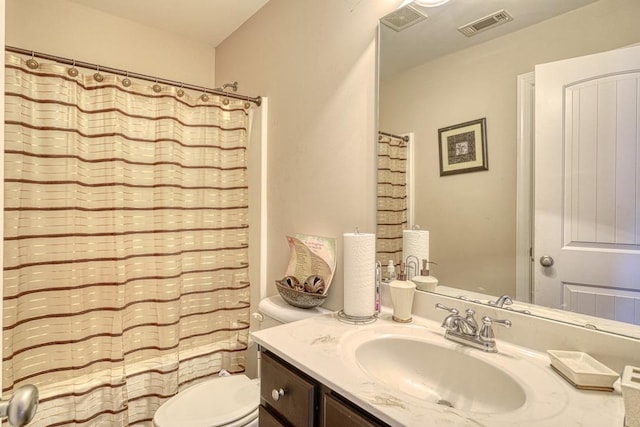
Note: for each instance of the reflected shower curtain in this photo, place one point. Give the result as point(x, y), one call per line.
point(125, 260)
point(391, 199)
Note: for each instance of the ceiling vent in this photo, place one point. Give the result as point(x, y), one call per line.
point(403, 18)
point(497, 18)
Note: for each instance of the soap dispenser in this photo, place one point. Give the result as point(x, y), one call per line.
point(402, 292)
point(424, 281)
point(390, 272)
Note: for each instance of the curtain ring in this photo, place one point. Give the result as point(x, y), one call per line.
point(32, 63)
point(97, 76)
point(73, 71)
point(247, 105)
point(126, 82)
point(180, 92)
point(225, 101)
point(157, 88)
point(204, 97)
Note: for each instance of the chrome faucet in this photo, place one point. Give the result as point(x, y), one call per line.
point(465, 330)
point(502, 301)
point(506, 300)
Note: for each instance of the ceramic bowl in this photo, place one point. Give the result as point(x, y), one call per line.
point(298, 298)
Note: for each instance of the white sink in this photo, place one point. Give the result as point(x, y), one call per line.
point(407, 374)
point(421, 365)
point(438, 374)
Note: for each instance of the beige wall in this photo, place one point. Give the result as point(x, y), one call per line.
point(75, 31)
point(316, 62)
point(471, 217)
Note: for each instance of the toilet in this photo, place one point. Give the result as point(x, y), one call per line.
point(230, 401)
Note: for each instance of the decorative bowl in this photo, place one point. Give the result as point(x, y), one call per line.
point(300, 299)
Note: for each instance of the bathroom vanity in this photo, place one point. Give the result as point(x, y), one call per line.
point(288, 396)
point(323, 372)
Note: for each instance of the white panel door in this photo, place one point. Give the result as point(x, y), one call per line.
point(587, 185)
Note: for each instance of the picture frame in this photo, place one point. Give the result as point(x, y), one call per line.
point(463, 147)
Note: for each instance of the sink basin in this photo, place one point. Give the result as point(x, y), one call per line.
point(444, 375)
point(410, 375)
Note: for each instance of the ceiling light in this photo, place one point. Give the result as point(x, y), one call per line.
point(430, 3)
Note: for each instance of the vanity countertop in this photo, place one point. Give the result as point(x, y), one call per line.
point(319, 346)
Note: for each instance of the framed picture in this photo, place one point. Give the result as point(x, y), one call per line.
point(463, 148)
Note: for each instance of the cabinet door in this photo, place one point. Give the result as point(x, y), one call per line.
point(338, 414)
point(289, 394)
point(265, 419)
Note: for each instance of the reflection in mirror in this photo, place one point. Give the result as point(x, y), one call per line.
point(433, 77)
point(392, 196)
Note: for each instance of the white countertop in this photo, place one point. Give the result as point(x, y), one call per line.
point(322, 347)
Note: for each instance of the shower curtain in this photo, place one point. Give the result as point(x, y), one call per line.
point(391, 199)
point(126, 236)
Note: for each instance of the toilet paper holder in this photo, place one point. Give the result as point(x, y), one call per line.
point(364, 320)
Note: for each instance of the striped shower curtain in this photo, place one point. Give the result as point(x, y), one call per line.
point(126, 230)
point(391, 199)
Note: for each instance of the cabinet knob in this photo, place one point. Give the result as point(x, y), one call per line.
point(277, 394)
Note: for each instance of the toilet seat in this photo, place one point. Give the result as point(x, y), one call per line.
point(222, 401)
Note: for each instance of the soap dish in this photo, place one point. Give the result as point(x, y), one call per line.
point(582, 371)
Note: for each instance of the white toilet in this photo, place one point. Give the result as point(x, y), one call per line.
point(228, 401)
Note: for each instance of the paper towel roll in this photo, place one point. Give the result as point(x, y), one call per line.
point(359, 274)
point(416, 243)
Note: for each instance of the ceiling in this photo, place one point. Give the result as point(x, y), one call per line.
point(438, 35)
point(206, 21)
point(211, 21)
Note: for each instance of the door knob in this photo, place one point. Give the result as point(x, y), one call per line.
point(21, 408)
point(546, 261)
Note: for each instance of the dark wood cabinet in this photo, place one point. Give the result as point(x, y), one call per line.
point(289, 393)
point(337, 412)
point(266, 419)
point(290, 398)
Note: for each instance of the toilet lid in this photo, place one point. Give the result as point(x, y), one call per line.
point(280, 310)
point(215, 402)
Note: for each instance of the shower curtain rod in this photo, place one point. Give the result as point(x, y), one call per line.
point(257, 100)
point(391, 135)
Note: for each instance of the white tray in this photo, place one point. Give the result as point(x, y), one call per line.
point(582, 370)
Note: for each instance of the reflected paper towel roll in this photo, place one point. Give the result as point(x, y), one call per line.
point(359, 274)
point(416, 243)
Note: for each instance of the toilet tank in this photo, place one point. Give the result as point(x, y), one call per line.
point(274, 311)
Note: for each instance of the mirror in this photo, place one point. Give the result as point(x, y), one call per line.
point(433, 77)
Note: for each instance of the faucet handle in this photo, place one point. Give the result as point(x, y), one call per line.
point(488, 321)
point(486, 332)
point(445, 308)
point(452, 321)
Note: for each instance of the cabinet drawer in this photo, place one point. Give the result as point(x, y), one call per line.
point(265, 419)
point(336, 413)
point(297, 402)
